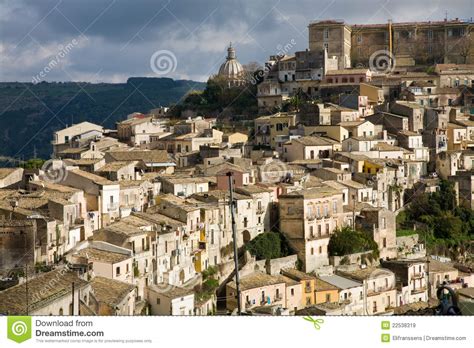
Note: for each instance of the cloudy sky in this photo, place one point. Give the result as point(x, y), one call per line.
point(111, 40)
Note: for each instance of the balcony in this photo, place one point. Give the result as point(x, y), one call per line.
point(379, 290)
point(418, 290)
point(307, 289)
point(112, 207)
point(277, 298)
point(318, 236)
point(418, 275)
point(260, 211)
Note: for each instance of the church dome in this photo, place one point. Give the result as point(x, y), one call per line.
point(231, 68)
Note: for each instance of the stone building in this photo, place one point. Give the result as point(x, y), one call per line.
point(231, 69)
point(410, 43)
point(307, 219)
point(17, 245)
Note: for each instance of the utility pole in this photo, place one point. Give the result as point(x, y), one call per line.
point(234, 236)
point(72, 309)
point(26, 288)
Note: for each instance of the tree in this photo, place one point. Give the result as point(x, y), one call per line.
point(447, 226)
point(346, 241)
point(464, 44)
point(268, 245)
point(32, 163)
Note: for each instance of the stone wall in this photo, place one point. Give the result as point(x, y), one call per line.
point(352, 259)
point(274, 266)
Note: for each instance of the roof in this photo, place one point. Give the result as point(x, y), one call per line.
point(157, 156)
point(321, 285)
point(314, 141)
point(340, 282)
point(296, 274)
point(110, 291)
point(185, 180)
point(252, 189)
point(381, 146)
point(103, 255)
point(315, 192)
point(367, 273)
point(43, 289)
point(4, 172)
point(466, 292)
point(257, 280)
point(97, 179)
point(135, 120)
point(351, 123)
point(114, 166)
point(438, 266)
point(171, 291)
point(347, 72)
point(80, 126)
point(455, 126)
point(408, 133)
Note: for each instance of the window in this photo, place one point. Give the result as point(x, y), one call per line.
point(326, 33)
point(320, 249)
point(158, 301)
point(117, 271)
point(334, 207)
point(312, 251)
point(326, 47)
point(328, 297)
point(292, 292)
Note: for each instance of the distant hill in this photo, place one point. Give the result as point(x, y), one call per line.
point(30, 113)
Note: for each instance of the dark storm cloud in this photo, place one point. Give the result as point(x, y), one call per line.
point(115, 39)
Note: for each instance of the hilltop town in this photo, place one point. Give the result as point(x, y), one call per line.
point(350, 193)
